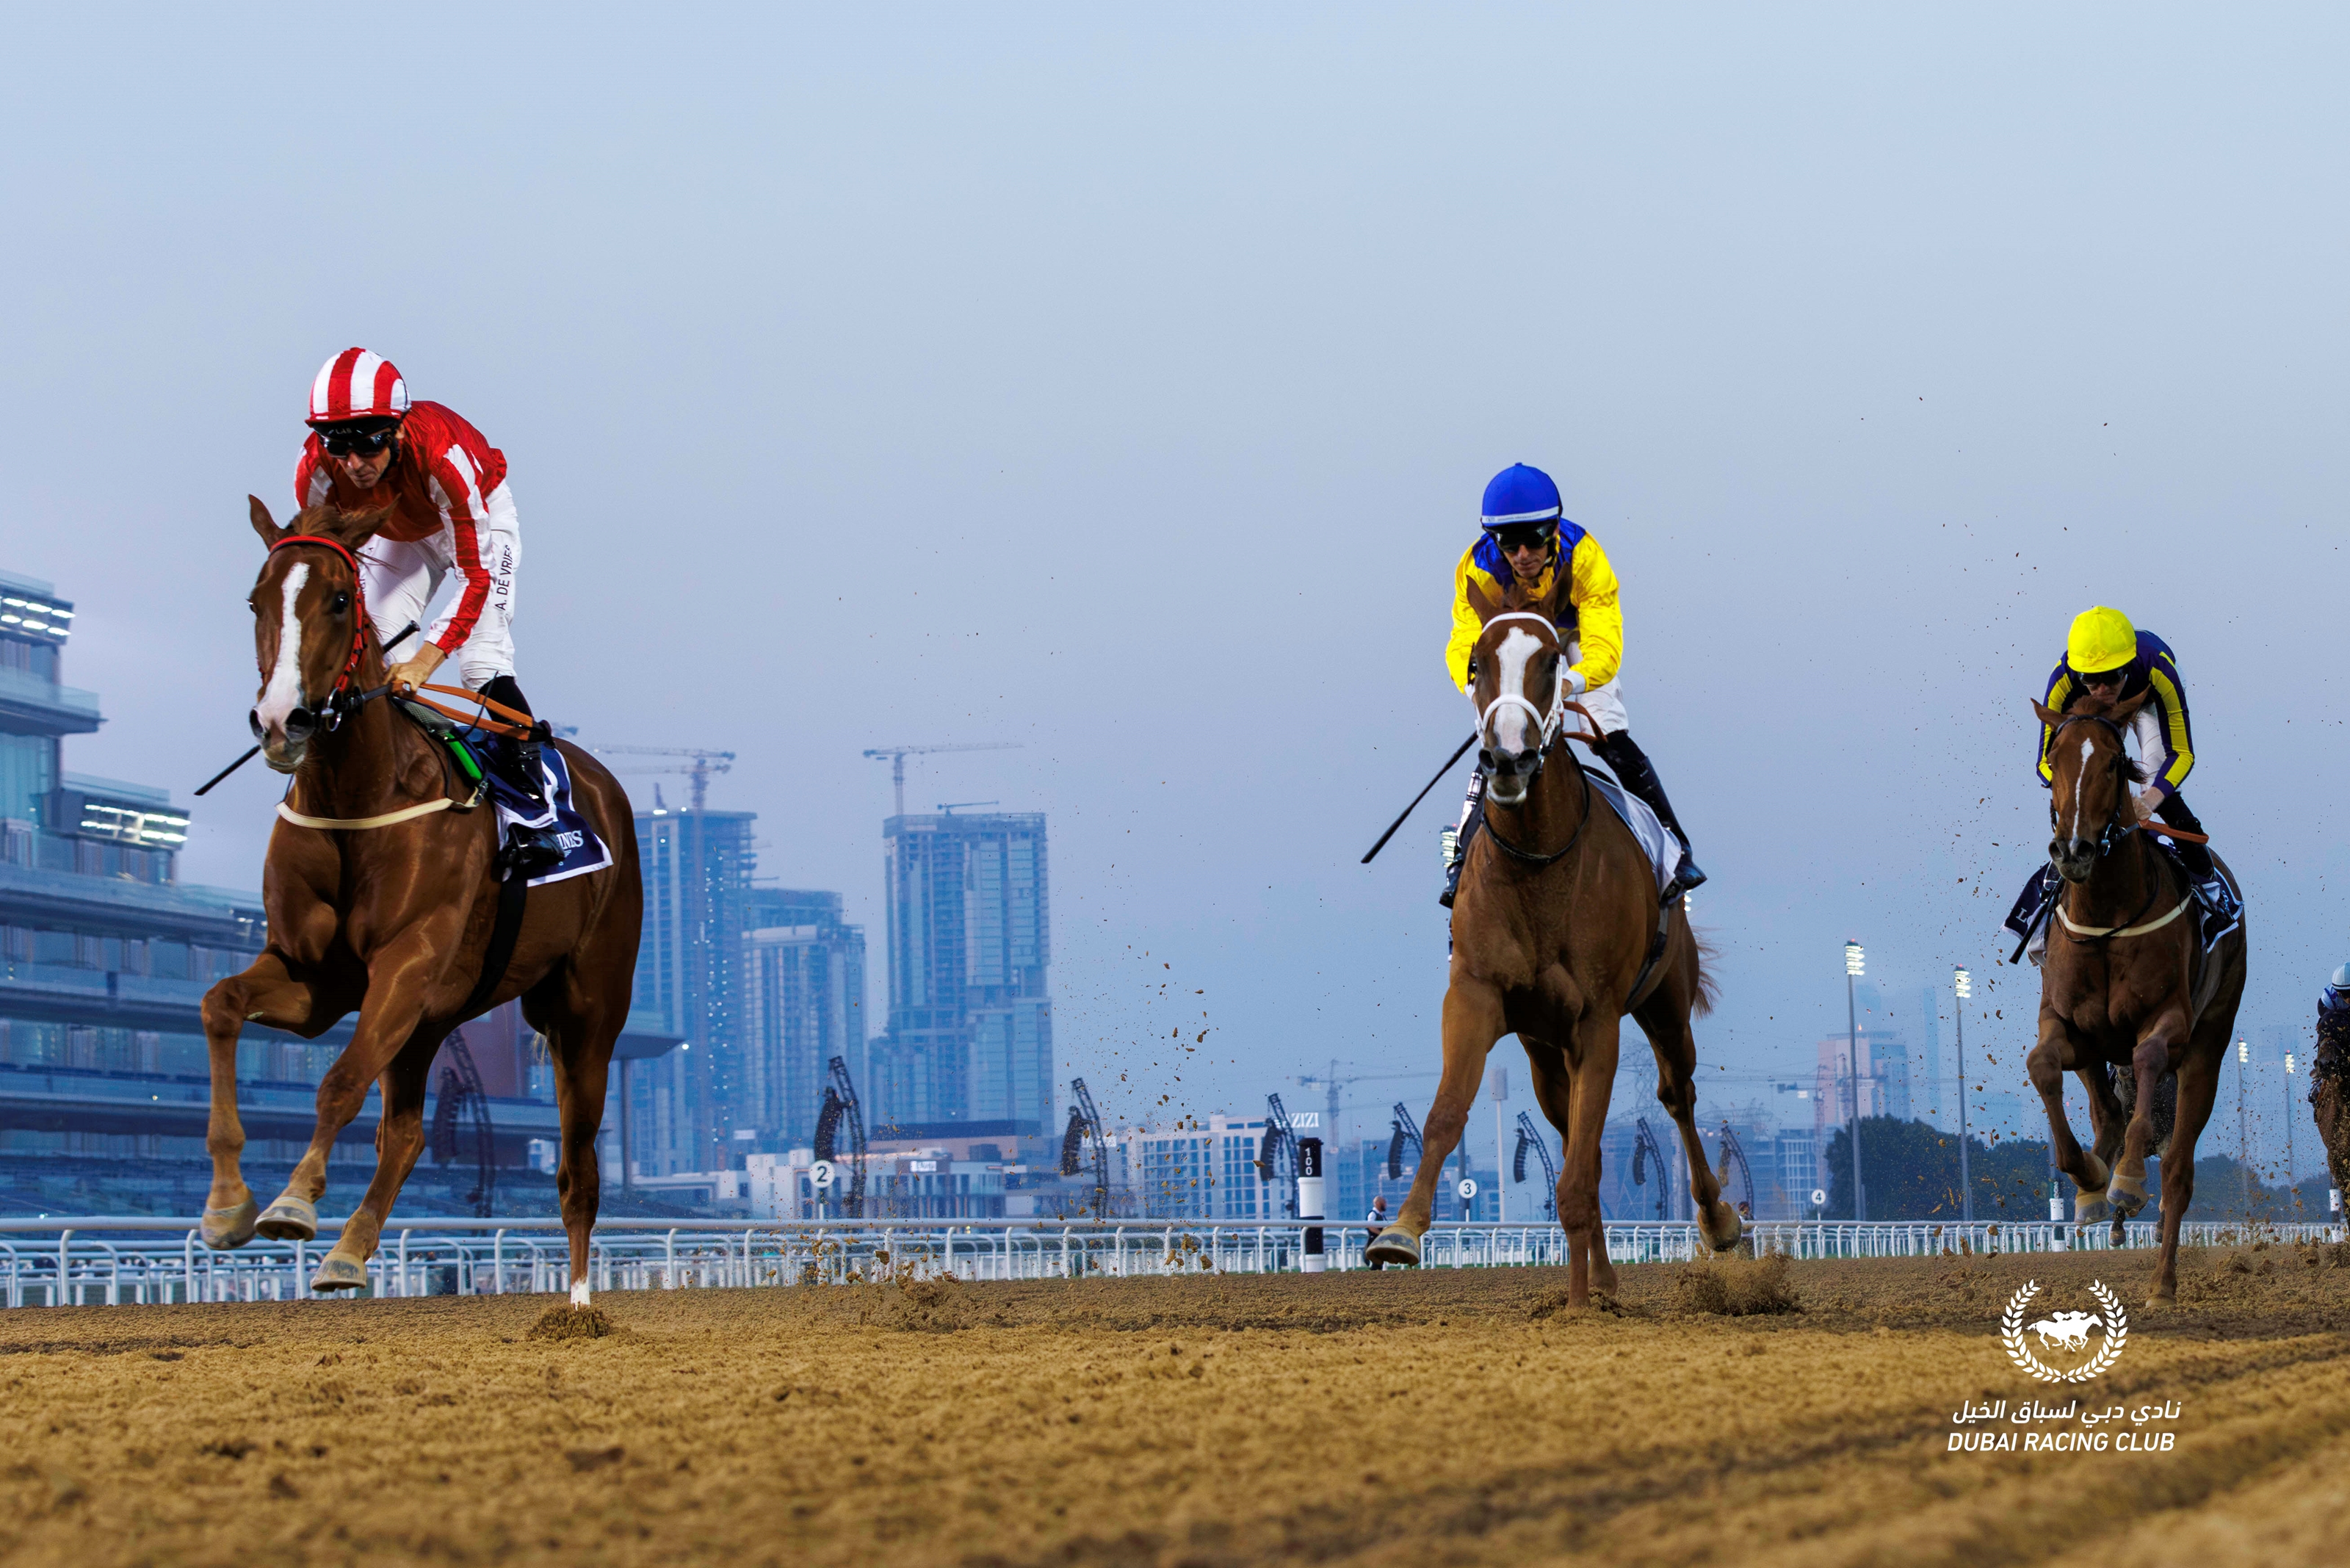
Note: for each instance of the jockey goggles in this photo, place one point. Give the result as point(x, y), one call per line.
point(1525, 536)
point(349, 439)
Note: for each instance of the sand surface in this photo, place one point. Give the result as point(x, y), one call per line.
point(1437, 1417)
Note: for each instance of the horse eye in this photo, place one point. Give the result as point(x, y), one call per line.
point(342, 603)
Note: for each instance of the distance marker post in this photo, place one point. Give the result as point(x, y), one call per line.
point(1309, 1200)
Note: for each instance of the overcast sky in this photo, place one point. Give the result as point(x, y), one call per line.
point(1123, 385)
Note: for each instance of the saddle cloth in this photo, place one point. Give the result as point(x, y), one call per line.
point(2218, 910)
point(1664, 851)
point(583, 851)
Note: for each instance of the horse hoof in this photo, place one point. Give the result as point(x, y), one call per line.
point(2128, 1194)
point(1717, 1216)
point(2091, 1208)
point(339, 1272)
point(289, 1218)
point(2118, 1235)
point(226, 1228)
point(2163, 1297)
point(1393, 1246)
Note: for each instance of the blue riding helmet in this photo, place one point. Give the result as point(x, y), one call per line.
point(1520, 494)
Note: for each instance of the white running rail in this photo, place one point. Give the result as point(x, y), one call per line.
point(111, 1261)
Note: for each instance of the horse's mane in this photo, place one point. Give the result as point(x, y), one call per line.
point(333, 523)
point(2085, 706)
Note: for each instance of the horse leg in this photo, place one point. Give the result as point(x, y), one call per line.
point(1675, 1045)
point(2108, 1125)
point(2046, 1065)
point(1554, 1079)
point(580, 1033)
point(399, 1140)
point(265, 992)
point(1582, 1119)
point(1473, 1020)
point(2148, 1062)
point(2199, 1084)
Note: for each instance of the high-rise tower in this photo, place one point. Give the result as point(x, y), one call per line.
point(970, 1040)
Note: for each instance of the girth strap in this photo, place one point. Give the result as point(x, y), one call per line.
point(513, 892)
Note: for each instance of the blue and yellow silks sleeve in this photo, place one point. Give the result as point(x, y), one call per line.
point(2156, 672)
point(1597, 621)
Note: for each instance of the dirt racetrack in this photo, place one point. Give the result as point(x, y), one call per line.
point(1439, 1418)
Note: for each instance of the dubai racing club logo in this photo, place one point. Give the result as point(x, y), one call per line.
point(2063, 1335)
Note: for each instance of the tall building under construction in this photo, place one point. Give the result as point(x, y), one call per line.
point(970, 1043)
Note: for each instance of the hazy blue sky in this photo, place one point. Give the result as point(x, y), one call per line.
point(1123, 385)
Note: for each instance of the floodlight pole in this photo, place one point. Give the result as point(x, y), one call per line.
point(1853, 965)
point(2243, 1140)
point(1965, 987)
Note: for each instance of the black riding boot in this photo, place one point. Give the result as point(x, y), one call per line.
point(1457, 854)
point(531, 849)
point(1634, 770)
point(2196, 858)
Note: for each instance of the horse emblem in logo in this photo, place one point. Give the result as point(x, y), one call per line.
point(2063, 1335)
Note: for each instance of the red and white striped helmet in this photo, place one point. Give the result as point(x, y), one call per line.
point(357, 385)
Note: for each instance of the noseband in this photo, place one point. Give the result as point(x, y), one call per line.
point(341, 698)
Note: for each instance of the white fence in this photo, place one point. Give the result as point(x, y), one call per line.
point(121, 1262)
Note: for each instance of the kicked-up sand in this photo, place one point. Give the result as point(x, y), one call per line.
point(1392, 1417)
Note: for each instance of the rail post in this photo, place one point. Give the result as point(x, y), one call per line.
point(1309, 1201)
point(498, 1262)
point(403, 1263)
point(669, 1262)
point(65, 1251)
point(188, 1263)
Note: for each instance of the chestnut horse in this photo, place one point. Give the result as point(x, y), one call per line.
point(390, 912)
point(2126, 984)
point(1557, 915)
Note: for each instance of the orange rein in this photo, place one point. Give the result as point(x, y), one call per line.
point(2179, 832)
point(1591, 737)
point(518, 724)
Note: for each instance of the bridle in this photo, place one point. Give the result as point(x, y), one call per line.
point(342, 698)
point(1549, 727)
point(2115, 830)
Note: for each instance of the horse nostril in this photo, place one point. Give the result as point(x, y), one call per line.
point(1485, 759)
point(253, 719)
point(299, 724)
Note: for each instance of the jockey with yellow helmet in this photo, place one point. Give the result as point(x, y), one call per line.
point(2110, 659)
point(1528, 539)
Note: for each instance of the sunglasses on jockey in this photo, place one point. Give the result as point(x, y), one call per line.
point(1523, 536)
point(2106, 677)
point(356, 439)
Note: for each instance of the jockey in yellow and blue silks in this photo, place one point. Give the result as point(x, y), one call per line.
point(2112, 660)
point(1528, 539)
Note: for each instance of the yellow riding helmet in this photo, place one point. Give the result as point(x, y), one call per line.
point(2101, 640)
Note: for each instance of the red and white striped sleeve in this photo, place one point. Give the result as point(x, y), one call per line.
point(313, 482)
point(455, 478)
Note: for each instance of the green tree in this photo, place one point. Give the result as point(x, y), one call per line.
point(1910, 1170)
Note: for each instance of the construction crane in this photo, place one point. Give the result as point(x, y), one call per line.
point(1530, 1137)
point(1276, 1156)
point(1331, 1084)
point(698, 764)
point(840, 1108)
point(1084, 1145)
point(1645, 1149)
point(461, 1116)
point(898, 756)
point(1406, 1130)
point(1732, 1155)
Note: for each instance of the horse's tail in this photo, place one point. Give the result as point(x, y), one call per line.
point(1708, 992)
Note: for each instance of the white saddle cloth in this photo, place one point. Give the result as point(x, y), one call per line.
point(1663, 849)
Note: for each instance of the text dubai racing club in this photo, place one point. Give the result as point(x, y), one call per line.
point(2062, 1442)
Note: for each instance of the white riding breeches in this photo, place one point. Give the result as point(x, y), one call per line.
point(402, 578)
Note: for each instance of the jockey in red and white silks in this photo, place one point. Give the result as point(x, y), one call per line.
point(453, 511)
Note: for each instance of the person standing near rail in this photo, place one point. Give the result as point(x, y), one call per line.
point(1377, 1222)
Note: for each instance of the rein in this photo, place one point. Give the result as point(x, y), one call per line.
point(1527, 856)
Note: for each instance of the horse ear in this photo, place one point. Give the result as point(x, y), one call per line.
point(2048, 716)
point(1478, 600)
point(264, 524)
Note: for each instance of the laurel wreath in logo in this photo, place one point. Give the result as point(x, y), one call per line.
point(2011, 1334)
